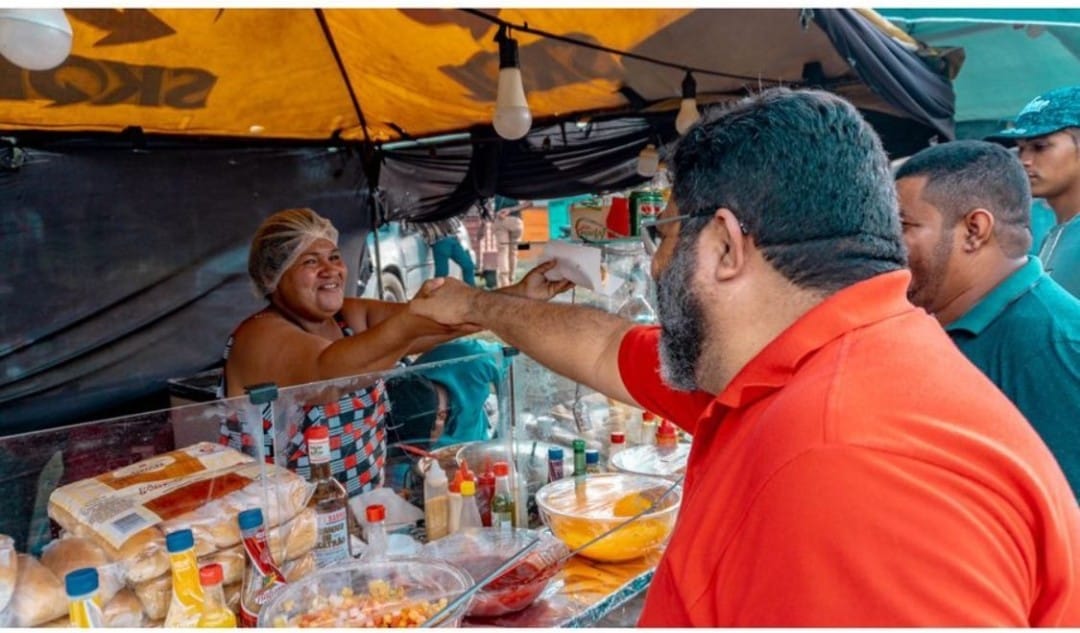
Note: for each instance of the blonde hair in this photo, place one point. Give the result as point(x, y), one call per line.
point(279, 241)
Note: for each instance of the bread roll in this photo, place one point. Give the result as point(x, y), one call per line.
point(296, 569)
point(295, 538)
point(39, 594)
point(142, 557)
point(232, 563)
point(154, 595)
point(9, 571)
point(65, 555)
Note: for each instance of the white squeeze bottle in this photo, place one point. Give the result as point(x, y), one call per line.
point(470, 511)
point(436, 503)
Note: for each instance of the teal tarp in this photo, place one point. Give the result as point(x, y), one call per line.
point(1012, 55)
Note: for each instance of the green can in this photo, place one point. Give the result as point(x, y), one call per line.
point(644, 205)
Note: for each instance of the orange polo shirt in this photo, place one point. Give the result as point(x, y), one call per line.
point(860, 471)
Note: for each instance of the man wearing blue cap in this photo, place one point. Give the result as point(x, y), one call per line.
point(1047, 133)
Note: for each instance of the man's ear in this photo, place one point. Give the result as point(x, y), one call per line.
point(728, 243)
point(978, 228)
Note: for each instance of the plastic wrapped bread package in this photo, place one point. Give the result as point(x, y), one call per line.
point(202, 487)
point(122, 612)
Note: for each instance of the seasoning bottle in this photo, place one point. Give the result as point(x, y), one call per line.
point(618, 442)
point(84, 601)
point(470, 511)
point(454, 503)
point(555, 463)
point(186, 603)
point(330, 501)
point(466, 474)
point(502, 502)
point(648, 428)
point(485, 490)
point(216, 614)
point(579, 459)
point(377, 544)
point(263, 578)
point(592, 461)
point(666, 436)
point(436, 514)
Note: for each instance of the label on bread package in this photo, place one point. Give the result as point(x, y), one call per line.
point(120, 503)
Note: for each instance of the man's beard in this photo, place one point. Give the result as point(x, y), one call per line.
point(682, 321)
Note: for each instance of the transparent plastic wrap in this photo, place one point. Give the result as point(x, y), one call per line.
point(577, 511)
point(124, 611)
point(65, 555)
point(39, 595)
point(669, 463)
point(479, 551)
point(391, 593)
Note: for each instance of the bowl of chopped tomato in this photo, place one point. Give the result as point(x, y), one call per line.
point(388, 593)
point(480, 551)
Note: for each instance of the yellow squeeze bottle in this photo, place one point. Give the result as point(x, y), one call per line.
point(216, 614)
point(84, 607)
point(187, 594)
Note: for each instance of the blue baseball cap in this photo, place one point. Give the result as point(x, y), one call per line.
point(1045, 114)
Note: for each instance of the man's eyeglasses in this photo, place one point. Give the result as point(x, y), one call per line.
point(650, 234)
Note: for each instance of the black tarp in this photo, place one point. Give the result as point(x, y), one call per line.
point(125, 264)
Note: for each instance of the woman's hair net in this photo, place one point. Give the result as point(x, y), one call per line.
point(278, 243)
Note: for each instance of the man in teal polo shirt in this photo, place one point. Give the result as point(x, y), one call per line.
point(964, 207)
point(1047, 135)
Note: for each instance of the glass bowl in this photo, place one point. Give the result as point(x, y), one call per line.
point(669, 463)
point(397, 592)
point(479, 551)
point(578, 512)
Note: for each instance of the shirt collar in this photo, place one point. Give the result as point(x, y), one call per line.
point(983, 313)
point(864, 303)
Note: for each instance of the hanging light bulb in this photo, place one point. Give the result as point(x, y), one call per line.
point(35, 39)
point(648, 161)
point(688, 112)
point(512, 117)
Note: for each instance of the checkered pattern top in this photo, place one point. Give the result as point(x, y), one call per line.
point(357, 423)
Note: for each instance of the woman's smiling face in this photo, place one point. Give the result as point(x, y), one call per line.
point(314, 286)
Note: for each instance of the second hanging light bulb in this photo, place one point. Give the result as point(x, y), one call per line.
point(512, 118)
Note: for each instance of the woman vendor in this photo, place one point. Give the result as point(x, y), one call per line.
point(309, 331)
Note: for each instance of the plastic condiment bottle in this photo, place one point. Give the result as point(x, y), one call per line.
point(377, 544)
point(263, 578)
point(502, 502)
point(466, 474)
point(485, 490)
point(666, 436)
point(187, 594)
point(648, 428)
point(579, 459)
point(436, 504)
point(215, 613)
point(618, 442)
point(592, 461)
point(470, 511)
point(555, 463)
point(454, 503)
point(84, 601)
point(329, 500)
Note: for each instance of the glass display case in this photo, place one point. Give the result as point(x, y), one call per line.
point(521, 409)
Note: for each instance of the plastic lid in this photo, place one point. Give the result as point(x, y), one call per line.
point(455, 483)
point(250, 518)
point(579, 445)
point(666, 429)
point(315, 433)
point(375, 513)
point(618, 437)
point(211, 574)
point(555, 453)
point(592, 456)
point(648, 415)
point(502, 469)
point(468, 488)
point(82, 581)
point(179, 541)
